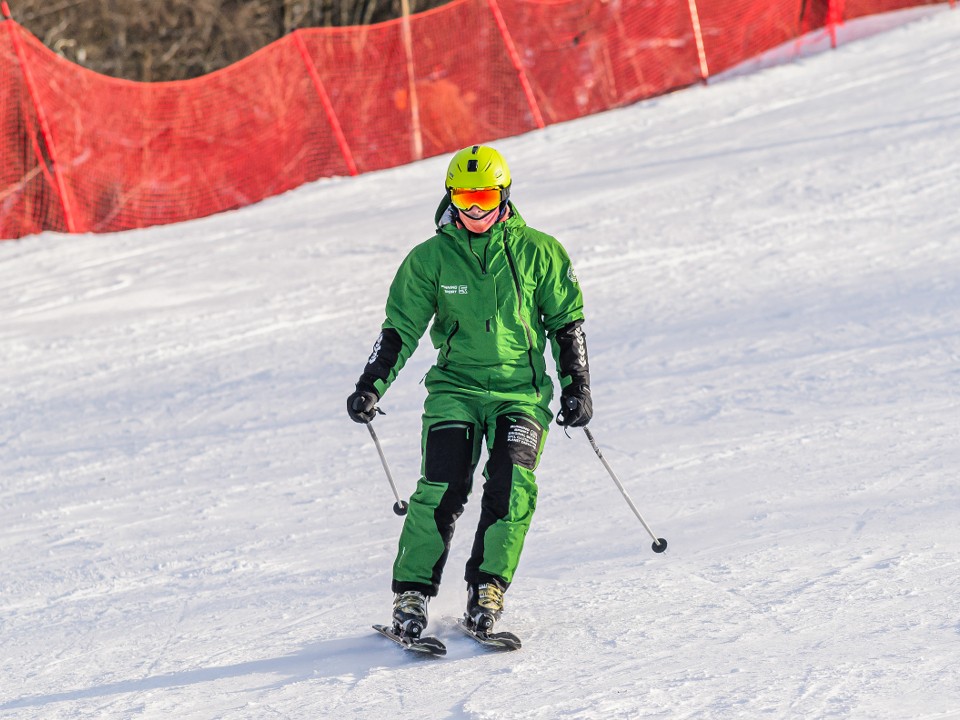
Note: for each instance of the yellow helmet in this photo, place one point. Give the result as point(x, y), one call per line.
point(478, 166)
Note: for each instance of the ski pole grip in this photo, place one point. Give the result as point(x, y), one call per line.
point(570, 404)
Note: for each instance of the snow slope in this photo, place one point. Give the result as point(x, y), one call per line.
point(192, 528)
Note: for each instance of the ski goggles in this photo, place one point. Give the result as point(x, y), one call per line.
point(483, 198)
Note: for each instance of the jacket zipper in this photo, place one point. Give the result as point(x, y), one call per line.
point(483, 260)
point(526, 327)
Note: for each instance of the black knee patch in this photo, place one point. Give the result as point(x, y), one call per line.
point(448, 455)
point(517, 441)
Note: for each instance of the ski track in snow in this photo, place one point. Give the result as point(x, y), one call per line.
point(771, 265)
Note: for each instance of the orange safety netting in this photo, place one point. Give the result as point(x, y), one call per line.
point(83, 152)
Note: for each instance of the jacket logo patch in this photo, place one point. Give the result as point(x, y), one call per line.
point(455, 289)
point(571, 274)
point(580, 347)
point(376, 350)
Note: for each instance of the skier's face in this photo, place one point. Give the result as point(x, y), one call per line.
point(478, 207)
point(478, 221)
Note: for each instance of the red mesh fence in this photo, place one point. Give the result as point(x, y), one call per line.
point(464, 84)
point(134, 154)
point(583, 57)
point(86, 153)
point(737, 30)
point(29, 201)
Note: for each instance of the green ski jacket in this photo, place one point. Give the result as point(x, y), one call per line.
point(494, 299)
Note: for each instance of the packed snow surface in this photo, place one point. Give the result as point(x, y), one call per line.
point(192, 528)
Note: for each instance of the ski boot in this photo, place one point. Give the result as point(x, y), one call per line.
point(409, 614)
point(484, 607)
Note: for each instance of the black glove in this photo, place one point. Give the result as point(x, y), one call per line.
point(576, 406)
point(362, 406)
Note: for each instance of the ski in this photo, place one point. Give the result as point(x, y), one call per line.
point(424, 645)
point(496, 640)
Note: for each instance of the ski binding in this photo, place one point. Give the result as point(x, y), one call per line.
point(424, 645)
point(495, 640)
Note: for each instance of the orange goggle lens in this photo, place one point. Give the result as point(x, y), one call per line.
point(485, 199)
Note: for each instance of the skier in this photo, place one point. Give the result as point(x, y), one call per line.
point(496, 289)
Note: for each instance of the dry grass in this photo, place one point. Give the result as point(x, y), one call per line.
point(178, 39)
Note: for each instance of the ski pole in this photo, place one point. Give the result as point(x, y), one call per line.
point(400, 507)
point(659, 544)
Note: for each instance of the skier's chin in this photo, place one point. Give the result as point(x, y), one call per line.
point(480, 224)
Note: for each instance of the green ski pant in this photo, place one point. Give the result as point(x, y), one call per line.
point(456, 420)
